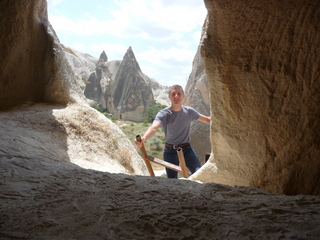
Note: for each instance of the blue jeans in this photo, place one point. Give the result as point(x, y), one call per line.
point(191, 159)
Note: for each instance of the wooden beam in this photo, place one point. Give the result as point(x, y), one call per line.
point(182, 162)
point(164, 163)
point(145, 157)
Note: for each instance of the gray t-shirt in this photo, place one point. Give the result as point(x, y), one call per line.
point(176, 125)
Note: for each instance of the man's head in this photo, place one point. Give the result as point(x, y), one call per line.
point(176, 86)
point(176, 94)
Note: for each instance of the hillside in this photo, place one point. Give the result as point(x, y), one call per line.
point(154, 146)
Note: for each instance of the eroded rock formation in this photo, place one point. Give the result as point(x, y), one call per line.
point(131, 93)
point(262, 63)
point(96, 77)
point(82, 64)
point(99, 83)
point(197, 96)
point(47, 192)
point(160, 93)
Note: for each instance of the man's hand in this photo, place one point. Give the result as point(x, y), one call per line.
point(148, 134)
point(139, 141)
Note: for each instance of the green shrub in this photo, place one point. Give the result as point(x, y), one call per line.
point(154, 153)
point(145, 123)
point(99, 108)
point(152, 112)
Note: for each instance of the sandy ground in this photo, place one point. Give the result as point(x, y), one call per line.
point(44, 196)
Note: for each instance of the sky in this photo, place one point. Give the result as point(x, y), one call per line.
point(163, 34)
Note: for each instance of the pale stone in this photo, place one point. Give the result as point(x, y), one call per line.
point(262, 64)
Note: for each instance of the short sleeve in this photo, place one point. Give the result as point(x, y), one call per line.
point(160, 116)
point(194, 114)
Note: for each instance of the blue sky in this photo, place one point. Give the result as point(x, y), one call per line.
point(164, 34)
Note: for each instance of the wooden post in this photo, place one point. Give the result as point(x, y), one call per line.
point(145, 156)
point(182, 162)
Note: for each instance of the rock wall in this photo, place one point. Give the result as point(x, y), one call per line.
point(30, 51)
point(262, 63)
point(197, 96)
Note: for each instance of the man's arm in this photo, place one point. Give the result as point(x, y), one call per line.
point(149, 133)
point(204, 119)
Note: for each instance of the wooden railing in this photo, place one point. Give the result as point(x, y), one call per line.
point(182, 168)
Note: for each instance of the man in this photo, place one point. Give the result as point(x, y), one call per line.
point(175, 121)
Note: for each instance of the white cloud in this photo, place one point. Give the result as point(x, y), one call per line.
point(150, 71)
point(183, 44)
point(180, 80)
point(52, 3)
point(138, 18)
point(113, 51)
point(166, 57)
point(90, 26)
point(186, 70)
point(79, 46)
point(154, 16)
point(196, 36)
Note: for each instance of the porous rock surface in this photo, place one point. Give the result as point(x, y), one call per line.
point(64, 201)
point(53, 187)
point(262, 64)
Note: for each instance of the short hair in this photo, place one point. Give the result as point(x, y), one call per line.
point(176, 86)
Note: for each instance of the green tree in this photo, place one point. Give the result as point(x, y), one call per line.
point(152, 112)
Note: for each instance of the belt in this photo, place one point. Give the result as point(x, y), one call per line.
point(177, 146)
